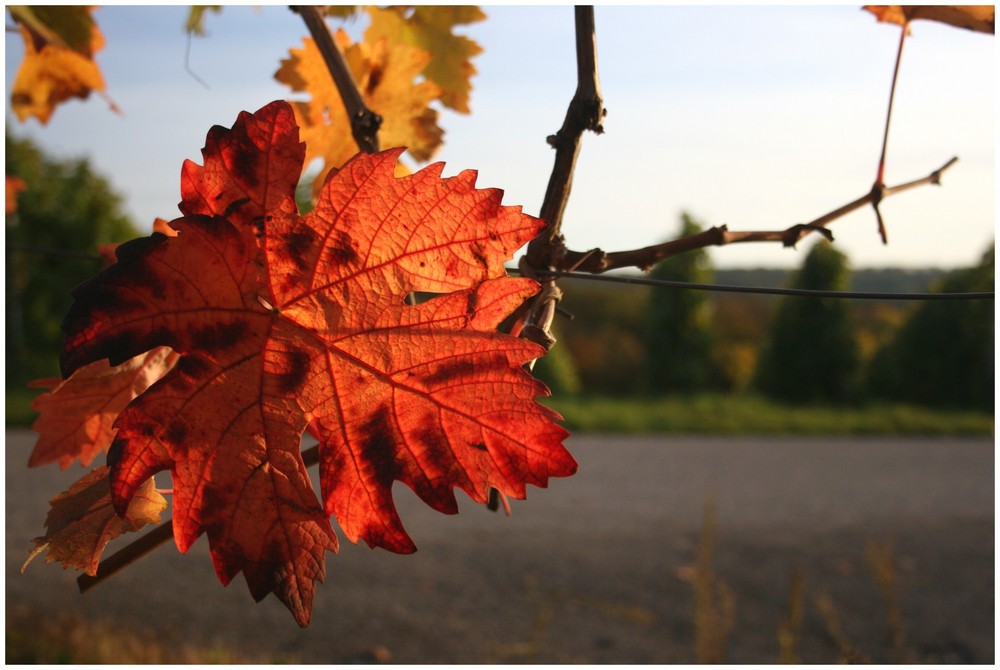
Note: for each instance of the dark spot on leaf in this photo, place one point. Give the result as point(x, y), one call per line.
point(235, 205)
point(176, 432)
point(219, 336)
point(244, 165)
point(193, 367)
point(342, 248)
point(374, 79)
point(298, 244)
point(295, 370)
point(478, 253)
point(478, 445)
point(472, 301)
point(378, 446)
point(446, 373)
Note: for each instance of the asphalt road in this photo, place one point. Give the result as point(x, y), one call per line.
point(598, 567)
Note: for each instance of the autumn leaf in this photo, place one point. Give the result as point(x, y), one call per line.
point(980, 18)
point(82, 521)
point(385, 74)
point(59, 47)
point(431, 29)
point(195, 24)
point(14, 186)
point(283, 321)
point(76, 415)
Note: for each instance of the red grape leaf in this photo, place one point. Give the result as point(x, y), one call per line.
point(283, 321)
point(76, 416)
point(82, 520)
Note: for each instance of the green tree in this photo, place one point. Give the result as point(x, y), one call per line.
point(65, 212)
point(943, 354)
point(812, 353)
point(558, 370)
point(679, 328)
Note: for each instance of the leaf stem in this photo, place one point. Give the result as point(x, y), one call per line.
point(364, 122)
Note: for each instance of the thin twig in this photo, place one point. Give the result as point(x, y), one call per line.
point(597, 261)
point(878, 188)
point(364, 122)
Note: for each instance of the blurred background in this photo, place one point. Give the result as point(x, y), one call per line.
point(762, 479)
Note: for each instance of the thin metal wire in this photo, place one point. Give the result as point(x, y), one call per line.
point(845, 295)
point(646, 281)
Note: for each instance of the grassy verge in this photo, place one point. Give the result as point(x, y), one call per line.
point(749, 415)
point(710, 415)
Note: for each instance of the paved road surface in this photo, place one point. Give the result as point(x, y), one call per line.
point(596, 568)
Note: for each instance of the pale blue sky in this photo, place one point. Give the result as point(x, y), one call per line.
point(757, 117)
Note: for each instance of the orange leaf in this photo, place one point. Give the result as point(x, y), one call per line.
point(14, 186)
point(980, 18)
point(76, 415)
point(283, 321)
point(54, 69)
point(385, 74)
point(82, 521)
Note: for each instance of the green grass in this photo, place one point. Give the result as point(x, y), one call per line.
point(710, 415)
point(750, 415)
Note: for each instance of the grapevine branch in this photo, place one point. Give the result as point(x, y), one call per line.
point(585, 112)
point(364, 122)
point(597, 261)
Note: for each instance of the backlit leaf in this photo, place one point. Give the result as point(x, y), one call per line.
point(283, 321)
point(76, 415)
point(58, 65)
point(83, 520)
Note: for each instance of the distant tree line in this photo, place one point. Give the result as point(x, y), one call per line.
point(623, 340)
point(655, 340)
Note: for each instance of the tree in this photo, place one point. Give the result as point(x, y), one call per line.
point(812, 354)
point(679, 323)
point(66, 211)
point(943, 354)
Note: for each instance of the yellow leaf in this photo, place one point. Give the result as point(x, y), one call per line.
point(195, 23)
point(384, 74)
point(82, 521)
point(430, 28)
point(57, 64)
point(67, 27)
point(980, 18)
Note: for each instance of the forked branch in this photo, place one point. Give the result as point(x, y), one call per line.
point(585, 112)
point(597, 261)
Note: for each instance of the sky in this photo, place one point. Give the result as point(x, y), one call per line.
point(757, 117)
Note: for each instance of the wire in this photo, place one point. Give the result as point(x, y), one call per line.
point(646, 281)
point(846, 295)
